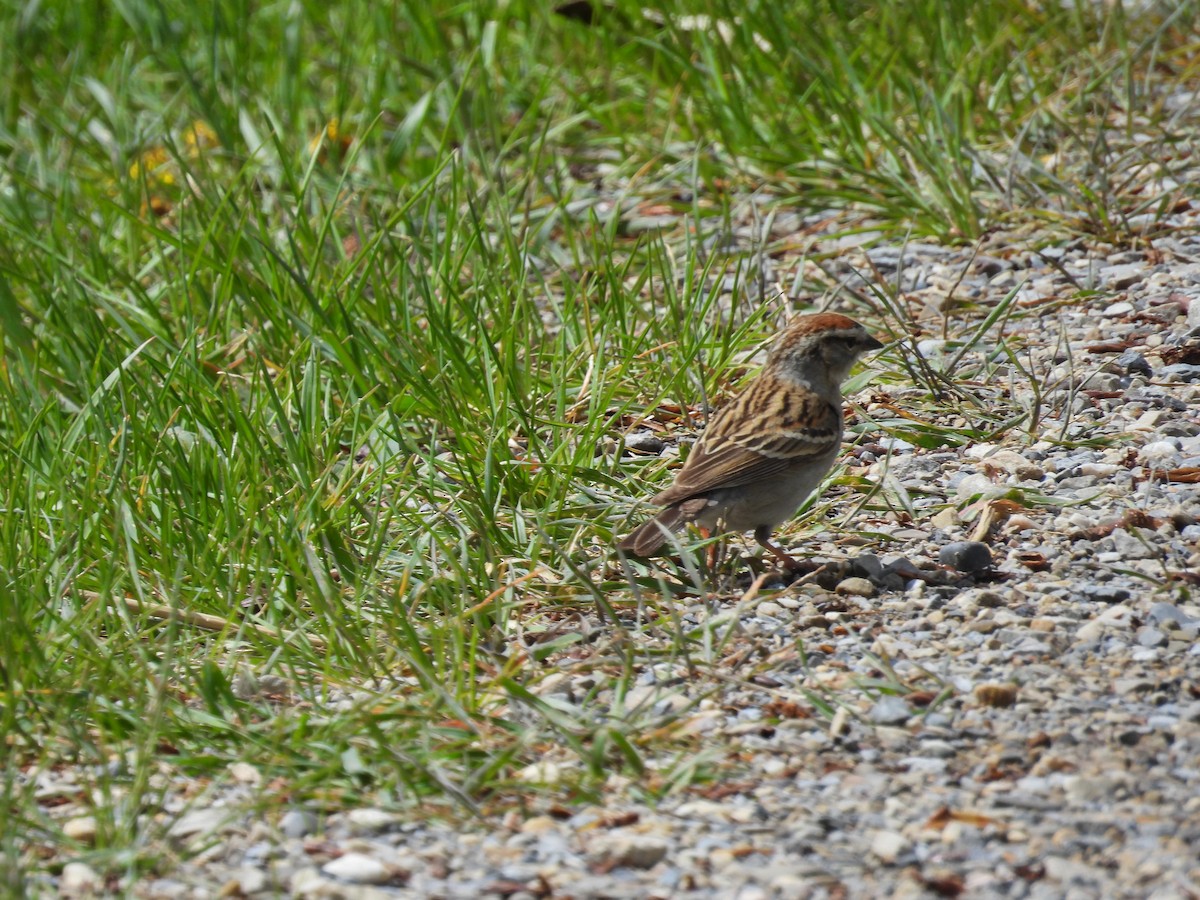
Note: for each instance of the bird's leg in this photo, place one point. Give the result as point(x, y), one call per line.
point(711, 553)
point(763, 536)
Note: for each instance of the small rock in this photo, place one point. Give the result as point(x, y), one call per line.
point(1072, 872)
point(370, 820)
point(856, 587)
point(1015, 464)
point(888, 845)
point(889, 710)
point(80, 878)
point(978, 598)
point(622, 850)
point(1118, 278)
point(1092, 789)
point(247, 881)
point(307, 882)
point(1133, 362)
point(357, 868)
point(966, 556)
point(542, 772)
point(867, 565)
point(245, 773)
point(1181, 372)
point(539, 825)
point(297, 823)
point(902, 566)
point(164, 889)
point(1099, 470)
point(1105, 593)
point(81, 828)
point(1151, 637)
point(1134, 543)
point(1162, 613)
point(644, 442)
point(1159, 454)
point(198, 821)
point(947, 518)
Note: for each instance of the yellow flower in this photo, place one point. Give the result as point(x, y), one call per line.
point(155, 166)
point(199, 136)
point(331, 137)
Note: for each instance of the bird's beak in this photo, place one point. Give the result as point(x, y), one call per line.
point(870, 344)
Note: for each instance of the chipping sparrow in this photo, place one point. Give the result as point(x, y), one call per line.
point(763, 454)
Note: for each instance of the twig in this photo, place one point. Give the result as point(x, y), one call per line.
point(203, 621)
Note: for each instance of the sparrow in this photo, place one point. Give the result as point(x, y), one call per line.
point(766, 451)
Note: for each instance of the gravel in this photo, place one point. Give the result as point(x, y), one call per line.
point(1034, 619)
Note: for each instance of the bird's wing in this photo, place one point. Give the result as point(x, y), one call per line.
point(765, 431)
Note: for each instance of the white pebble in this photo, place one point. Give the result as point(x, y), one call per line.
point(79, 877)
point(357, 868)
point(888, 845)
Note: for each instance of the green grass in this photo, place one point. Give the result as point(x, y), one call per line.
point(327, 320)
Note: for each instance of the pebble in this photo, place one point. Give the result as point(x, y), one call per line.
point(626, 850)
point(370, 821)
point(1046, 740)
point(1151, 637)
point(199, 822)
point(80, 878)
point(887, 846)
point(645, 442)
point(357, 868)
point(297, 823)
point(247, 881)
point(1133, 362)
point(769, 608)
point(857, 587)
point(81, 829)
point(1135, 544)
point(966, 556)
point(889, 710)
point(1162, 613)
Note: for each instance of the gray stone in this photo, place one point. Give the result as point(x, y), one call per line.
point(889, 710)
point(1151, 637)
point(1162, 613)
point(1120, 308)
point(1118, 278)
point(867, 565)
point(199, 821)
point(297, 823)
point(644, 442)
point(966, 556)
point(1181, 372)
point(902, 566)
point(1131, 545)
point(1132, 361)
point(1105, 593)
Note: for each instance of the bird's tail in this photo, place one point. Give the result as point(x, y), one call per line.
point(649, 538)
